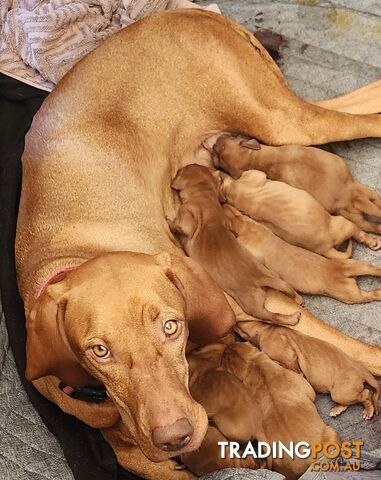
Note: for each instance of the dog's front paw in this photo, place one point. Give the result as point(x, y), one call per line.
point(368, 412)
point(299, 300)
point(376, 245)
point(338, 410)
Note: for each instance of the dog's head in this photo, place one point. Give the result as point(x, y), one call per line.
point(123, 319)
point(193, 177)
point(230, 153)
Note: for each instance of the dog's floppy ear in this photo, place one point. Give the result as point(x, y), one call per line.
point(207, 311)
point(253, 144)
point(184, 223)
point(47, 348)
point(216, 174)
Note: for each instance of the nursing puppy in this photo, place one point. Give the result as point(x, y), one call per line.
point(292, 214)
point(304, 270)
point(201, 230)
point(229, 407)
point(326, 368)
point(324, 175)
point(248, 396)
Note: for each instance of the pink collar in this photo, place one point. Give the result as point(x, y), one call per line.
point(69, 268)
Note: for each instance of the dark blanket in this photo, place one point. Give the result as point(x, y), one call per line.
point(88, 455)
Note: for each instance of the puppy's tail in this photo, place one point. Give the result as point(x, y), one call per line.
point(333, 253)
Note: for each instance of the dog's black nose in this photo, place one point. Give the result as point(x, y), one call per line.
point(171, 438)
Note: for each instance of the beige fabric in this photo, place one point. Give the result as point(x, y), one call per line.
point(42, 39)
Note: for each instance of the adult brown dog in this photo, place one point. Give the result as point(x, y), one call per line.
point(98, 163)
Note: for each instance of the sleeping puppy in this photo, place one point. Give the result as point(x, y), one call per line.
point(305, 271)
point(229, 407)
point(324, 175)
point(326, 368)
point(247, 396)
point(292, 214)
point(201, 230)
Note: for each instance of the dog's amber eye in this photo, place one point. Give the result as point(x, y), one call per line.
point(170, 327)
point(101, 351)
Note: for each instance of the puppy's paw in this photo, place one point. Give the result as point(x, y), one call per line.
point(376, 245)
point(294, 318)
point(337, 410)
point(368, 412)
point(299, 300)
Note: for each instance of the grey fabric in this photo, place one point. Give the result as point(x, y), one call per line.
point(370, 470)
point(324, 51)
point(243, 474)
point(28, 451)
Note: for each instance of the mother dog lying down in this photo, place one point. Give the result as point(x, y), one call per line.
point(98, 163)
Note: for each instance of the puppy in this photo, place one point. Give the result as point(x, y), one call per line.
point(292, 214)
point(248, 396)
point(306, 271)
point(229, 406)
point(324, 175)
point(326, 368)
point(201, 230)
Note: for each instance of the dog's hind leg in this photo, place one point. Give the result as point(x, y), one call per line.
point(358, 219)
point(352, 294)
point(371, 242)
point(366, 99)
point(355, 268)
point(367, 399)
point(368, 355)
point(265, 107)
point(337, 410)
point(366, 200)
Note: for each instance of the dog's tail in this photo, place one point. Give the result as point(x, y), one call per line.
point(333, 253)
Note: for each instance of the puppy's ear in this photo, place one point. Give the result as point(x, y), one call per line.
point(184, 223)
point(47, 348)
point(253, 144)
point(238, 358)
point(207, 311)
point(178, 183)
point(218, 179)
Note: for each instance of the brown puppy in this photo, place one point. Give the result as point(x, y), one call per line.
point(326, 368)
point(200, 227)
point(324, 175)
point(229, 406)
point(208, 457)
point(304, 270)
point(292, 214)
point(248, 396)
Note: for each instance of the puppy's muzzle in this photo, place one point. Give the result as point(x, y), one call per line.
point(171, 438)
